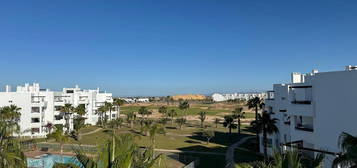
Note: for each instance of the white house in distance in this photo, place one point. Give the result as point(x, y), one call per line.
point(313, 110)
point(41, 106)
point(217, 97)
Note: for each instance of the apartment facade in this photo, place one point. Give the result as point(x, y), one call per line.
point(217, 97)
point(42, 106)
point(312, 111)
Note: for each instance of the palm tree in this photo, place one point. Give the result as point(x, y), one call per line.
point(101, 112)
point(49, 126)
point(184, 105)
point(290, 159)
point(172, 113)
point(202, 117)
point(266, 125)
point(130, 118)
point(217, 121)
point(111, 108)
point(229, 123)
point(181, 122)
point(11, 154)
point(256, 103)
point(120, 152)
point(118, 102)
point(238, 114)
point(67, 110)
point(143, 111)
point(163, 110)
point(80, 110)
point(348, 145)
point(59, 137)
point(155, 129)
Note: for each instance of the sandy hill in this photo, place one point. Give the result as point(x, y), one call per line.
point(189, 97)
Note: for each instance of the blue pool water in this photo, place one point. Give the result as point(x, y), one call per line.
point(47, 161)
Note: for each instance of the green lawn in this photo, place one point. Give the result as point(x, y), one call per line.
point(191, 111)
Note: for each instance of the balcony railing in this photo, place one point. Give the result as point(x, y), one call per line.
point(304, 128)
point(301, 102)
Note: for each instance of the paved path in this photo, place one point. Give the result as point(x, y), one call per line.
point(230, 163)
point(92, 132)
point(180, 151)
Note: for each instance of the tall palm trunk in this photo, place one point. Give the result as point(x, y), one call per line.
point(265, 143)
point(238, 126)
point(113, 150)
point(110, 113)
point(131, 124)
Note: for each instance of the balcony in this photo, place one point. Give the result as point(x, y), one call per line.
point(304, 123)
point(301, 102)
point(270, 95)
point(302, 128)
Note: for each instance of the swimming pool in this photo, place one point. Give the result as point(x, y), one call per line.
point(48, 160)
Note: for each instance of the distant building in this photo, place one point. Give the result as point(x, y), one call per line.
point(217, 97)
point(136, 100)
point(312, 111)
point(42, 106)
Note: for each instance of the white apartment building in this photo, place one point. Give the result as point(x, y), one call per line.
point(41, 106)
point(313, 110)
point(217, 97)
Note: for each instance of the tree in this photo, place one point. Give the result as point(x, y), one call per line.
point(120, 152)
point(290, 159)
point(67, 110)
point(118, 102)
point(348, 157)
point(266, 125)
point(217, 121)
point(229, 123)
point(130, 118)
point(184, 105)
point(256, 103)
point(163, 121)
point(49, 126)
point(80, 110)
point(102, 110)
point(181, 122)
point(208, 134)
point(168, 100)
point(11, 152)
point(59, 137)
point(238, 114)
point(79, 120)
point(202, 117)
point(163, 110)
point(172, 113)
point(155, 129)
point(143, 111)
point(110, 107)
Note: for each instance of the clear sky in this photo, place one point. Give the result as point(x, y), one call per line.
point(166, 47)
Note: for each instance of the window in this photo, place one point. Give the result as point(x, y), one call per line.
point(58, 108)
point(69, 91)
point(58, 117)
point(35, 130)
point(35, 109)
point(113, 115)
point(35, 120)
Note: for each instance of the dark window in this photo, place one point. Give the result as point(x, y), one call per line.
point(58, 108)
point(35, 130)
point(35, 120)
point(35, 109)
point(69, 91)
point(58, 117)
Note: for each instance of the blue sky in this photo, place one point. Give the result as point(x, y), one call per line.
point(173, 47)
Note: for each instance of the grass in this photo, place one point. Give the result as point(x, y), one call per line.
point(88, 129)
point(194, 110)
